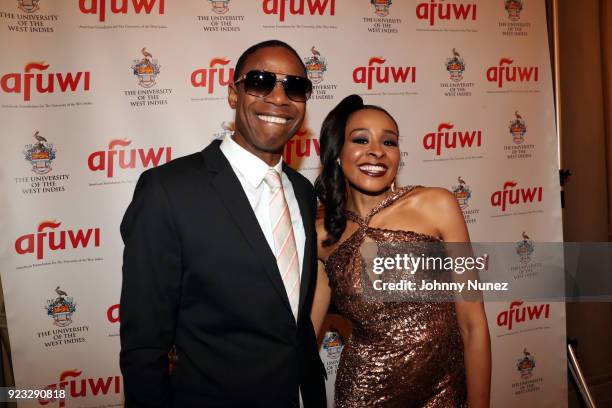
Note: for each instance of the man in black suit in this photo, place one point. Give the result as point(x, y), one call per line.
point(203, 260)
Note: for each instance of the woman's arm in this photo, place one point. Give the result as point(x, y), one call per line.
point(471, 315)
point(321, 300)
point(477, 351)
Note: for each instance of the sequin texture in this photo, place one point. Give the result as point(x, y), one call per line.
point(400, 354)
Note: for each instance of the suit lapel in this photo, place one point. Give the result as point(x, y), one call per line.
point(231, 193)
point(303, 199)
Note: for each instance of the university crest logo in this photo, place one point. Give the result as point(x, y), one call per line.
point(513, 8)
point(332, 343)
point(518, 128)
point(455, 66)
point(146, 69)
point(381, 7)
point(526, 365)
point(316, 66)
point(28, 6)
point(61, 308)
point(462, 193)
point(40, 154)
point(524, 249)
point(220, 6)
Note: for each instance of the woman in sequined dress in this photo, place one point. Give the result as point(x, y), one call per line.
point(400, 354)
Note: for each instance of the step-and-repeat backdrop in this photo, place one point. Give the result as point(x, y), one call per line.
point(93, 92)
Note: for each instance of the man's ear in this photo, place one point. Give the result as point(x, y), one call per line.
point(232, 95)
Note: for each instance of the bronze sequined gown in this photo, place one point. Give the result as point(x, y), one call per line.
point(400, 354)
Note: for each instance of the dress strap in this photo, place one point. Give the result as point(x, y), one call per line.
point(355, 218)
point(380, 206)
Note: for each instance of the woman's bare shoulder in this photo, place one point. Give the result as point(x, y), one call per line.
point(428, 198)
point(432, 205)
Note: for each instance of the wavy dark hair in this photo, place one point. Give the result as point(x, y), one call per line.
point(330, 185)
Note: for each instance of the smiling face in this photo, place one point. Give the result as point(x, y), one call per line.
point(265, 124)
point(370, 155)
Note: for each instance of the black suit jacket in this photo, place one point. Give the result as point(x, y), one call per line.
point(198, 273)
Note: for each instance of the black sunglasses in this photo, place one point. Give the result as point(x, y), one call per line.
point(262, 83)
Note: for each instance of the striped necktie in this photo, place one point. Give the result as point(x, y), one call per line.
point(284, 240)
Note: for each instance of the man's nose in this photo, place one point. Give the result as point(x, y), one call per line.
point(278, 96)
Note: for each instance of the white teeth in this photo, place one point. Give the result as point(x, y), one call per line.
point(272, 119)
point(372, 168)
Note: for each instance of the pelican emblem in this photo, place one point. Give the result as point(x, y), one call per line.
point(60, 292)
point(41, 140)
point(146, 54)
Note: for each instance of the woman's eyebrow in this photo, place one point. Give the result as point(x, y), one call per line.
point(389, 131)
point(357, 130)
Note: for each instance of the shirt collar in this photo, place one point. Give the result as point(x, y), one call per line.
point(252, 168)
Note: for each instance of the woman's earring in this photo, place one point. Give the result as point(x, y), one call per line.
point(393, 187)
point(338, 161)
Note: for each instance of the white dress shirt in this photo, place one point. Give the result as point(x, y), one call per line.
point(251, 171)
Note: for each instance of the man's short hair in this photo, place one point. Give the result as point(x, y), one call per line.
point(265, 44)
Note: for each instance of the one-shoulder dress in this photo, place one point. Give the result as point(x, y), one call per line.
point(400, 354)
